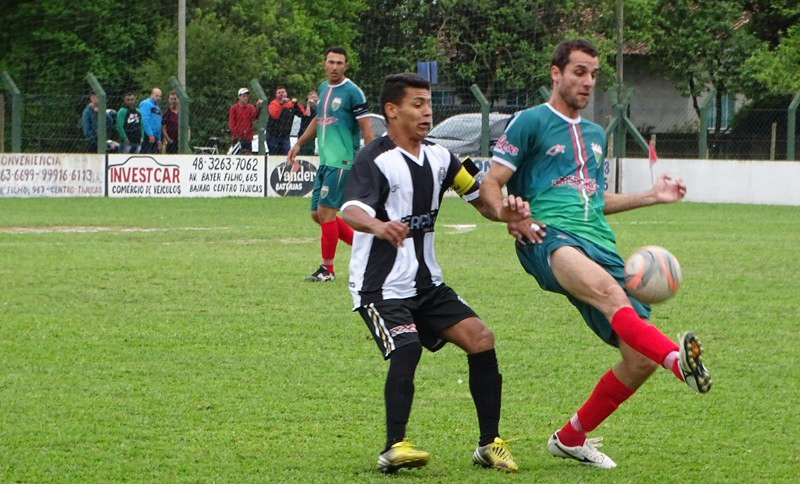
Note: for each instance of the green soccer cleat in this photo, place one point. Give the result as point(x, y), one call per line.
point(400, 455)
point(495, 455)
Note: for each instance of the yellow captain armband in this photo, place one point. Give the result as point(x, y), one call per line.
point(463, 181)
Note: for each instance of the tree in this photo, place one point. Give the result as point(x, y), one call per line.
point(703, 45)
point(229, 43)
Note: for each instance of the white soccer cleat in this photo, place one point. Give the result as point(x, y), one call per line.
point(695, 373)
point(586, 454)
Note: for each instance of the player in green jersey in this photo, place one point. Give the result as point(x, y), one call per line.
point(553, 158)
point(341, 114)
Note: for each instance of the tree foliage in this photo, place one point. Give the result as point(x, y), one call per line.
point(50, 45)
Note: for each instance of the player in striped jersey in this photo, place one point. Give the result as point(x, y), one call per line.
point(554, 159)
point(392, 201)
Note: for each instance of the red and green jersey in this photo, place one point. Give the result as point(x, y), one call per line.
point(338, 134)
point(558, 167)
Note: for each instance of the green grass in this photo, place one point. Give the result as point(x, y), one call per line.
point(177, 342)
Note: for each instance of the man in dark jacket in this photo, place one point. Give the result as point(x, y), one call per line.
point(129, 125)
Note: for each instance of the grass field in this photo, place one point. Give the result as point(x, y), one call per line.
point(174, 341)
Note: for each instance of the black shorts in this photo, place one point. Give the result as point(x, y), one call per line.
point(397, 322)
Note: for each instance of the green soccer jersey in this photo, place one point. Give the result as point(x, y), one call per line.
point(558, 168)
point(338, 134)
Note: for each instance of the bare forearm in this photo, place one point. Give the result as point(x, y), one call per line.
point(491, 199)
point(485, 209)
point(359, 220)
point(615, 202)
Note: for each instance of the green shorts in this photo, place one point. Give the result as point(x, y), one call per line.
point(535, 258)
point(329, 187)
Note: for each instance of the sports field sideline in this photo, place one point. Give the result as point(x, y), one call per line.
point(146, 340)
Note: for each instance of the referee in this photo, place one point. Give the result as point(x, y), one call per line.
point(392, 201)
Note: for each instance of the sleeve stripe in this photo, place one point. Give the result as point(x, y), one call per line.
point(363, 206)
point(503, 162)
point(471, 196)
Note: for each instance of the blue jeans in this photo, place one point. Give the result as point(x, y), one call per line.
point(130, 148)
point(277, 144)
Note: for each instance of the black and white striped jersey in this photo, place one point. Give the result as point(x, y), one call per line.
point(389, 183)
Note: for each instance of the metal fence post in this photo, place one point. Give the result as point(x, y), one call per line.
point(16, 113)
point(702, 135)
point(791, 132)
point(102, 133)
point(262, 116)
point(183, 115)
point(476, 91)
point(544, 93)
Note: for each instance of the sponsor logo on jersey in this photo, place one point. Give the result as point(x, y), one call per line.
point(336, 103)
point(442, 173)
point(556, 149)
point(424, 222)
point(327, 121)
point(503, 147)
point(406, 328)
point(598, 150)
point(572, 181)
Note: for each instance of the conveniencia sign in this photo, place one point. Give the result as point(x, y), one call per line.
point(185, 176)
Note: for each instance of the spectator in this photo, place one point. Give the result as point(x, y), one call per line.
point(311, 111)
point(240, 120)
point(282, 111)
point(151, 122)
point(89, 124)
point(169, 125)
point(129, 125)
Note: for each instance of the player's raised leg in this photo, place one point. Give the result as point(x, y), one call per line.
point(485, 385)
point(589, 282)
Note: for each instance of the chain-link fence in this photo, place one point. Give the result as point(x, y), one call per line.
point(52, 123)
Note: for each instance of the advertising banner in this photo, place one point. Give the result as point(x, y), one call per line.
point(186, 176)
point(51, 175)
point(287, 180)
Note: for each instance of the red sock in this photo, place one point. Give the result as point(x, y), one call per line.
point(644, 338)
point(345, 231)
point(330, 237)
point(606, 397)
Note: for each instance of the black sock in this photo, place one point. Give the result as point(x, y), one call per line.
point(486, 384)
point(399, 391)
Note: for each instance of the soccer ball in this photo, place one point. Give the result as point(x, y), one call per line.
point(652, 274)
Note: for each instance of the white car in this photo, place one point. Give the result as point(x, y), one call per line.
point(378, 129)
point(461, 134)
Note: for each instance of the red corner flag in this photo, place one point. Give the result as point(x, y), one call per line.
point(652, 153)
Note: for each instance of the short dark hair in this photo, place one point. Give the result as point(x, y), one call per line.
point(173, 92)
point(394, 88)
point(280, 87)
point(565, 48)
point(336, 50)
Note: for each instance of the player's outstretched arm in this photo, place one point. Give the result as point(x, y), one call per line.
point(666, 190)
point(512, 210)
point(308, 134)
point(394, 232)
